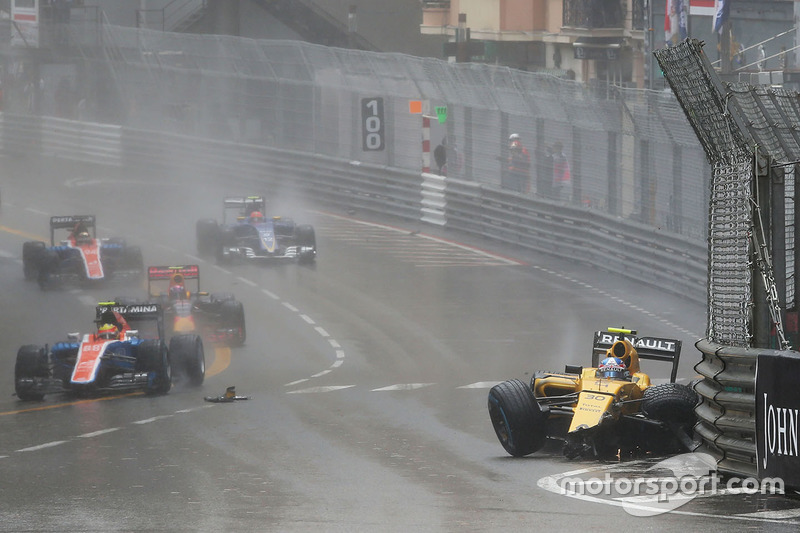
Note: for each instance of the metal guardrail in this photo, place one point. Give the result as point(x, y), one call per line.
point(641, 252)
point(634, 250)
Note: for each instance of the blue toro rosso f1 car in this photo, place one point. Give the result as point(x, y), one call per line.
point(250, 236)
point(126, 351)
point(80, 257)
point(217, 316)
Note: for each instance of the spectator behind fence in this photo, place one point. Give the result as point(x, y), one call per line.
point(519, 165)
point(440, 157)
point(562, 180)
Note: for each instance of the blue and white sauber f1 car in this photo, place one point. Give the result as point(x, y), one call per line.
point(80, 257)
point(126, 352)
point(252, 236)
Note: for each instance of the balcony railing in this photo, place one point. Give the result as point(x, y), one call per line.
point(435, 4)
point(593, 14)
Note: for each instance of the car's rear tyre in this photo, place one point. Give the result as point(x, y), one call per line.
point(49, 265)
point(207, 231)
point(31, 257)
point(232, 312)
point(153, 358)
point(30, 367)
point(517, 418)
point(188, 357)
point(670, 402)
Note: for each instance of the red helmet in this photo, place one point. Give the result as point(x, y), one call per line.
point(108, 331)
point(257, 216)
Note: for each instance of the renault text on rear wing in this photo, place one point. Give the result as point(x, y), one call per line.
point(653, 348)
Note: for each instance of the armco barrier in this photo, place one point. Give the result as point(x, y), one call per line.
point(638, 251)
point(641, 252)
point(726, 413)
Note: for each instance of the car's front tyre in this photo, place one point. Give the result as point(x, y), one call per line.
point(517, 418)
point(30, 368)
point(154, 359)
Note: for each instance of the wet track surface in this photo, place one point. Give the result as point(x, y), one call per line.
point(367, 375)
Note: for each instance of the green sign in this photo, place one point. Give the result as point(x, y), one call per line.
point(441, 112)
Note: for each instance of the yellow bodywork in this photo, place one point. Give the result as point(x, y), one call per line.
point(601, 398)
point(598, 398)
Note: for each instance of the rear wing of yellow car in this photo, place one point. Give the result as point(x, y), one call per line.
point(652, 348)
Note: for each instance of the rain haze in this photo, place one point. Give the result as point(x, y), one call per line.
point(457, 195)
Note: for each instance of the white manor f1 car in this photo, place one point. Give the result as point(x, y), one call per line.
point(80, 257)
point(127, 351)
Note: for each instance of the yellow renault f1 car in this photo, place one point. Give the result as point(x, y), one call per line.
point(608, 410)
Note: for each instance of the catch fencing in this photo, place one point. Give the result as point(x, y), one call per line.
point(631, 153)
point(750, 135)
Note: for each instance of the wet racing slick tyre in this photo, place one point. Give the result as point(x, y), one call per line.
point(670, 402)
point(49, 265)
point(153, 358)
point(232, 312)
point(207, 231)
point(31, 368)
point(673, 405)
point(188, 358)
point(306, 238)
point(517, 418)
point(32, 252)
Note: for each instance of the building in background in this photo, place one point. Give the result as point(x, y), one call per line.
point(605, 41)
point(611, 40)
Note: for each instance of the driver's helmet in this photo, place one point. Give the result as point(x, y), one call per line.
point(256, 216)
point(177, 292)
point(83, 238)
point(108, 331)
point(613, 368)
